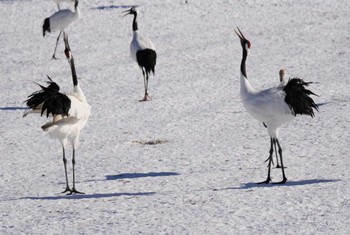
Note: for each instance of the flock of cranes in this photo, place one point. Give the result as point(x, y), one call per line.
point(70, 111)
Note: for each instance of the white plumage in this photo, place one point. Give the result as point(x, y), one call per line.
point(274, 106)
point(70, 113)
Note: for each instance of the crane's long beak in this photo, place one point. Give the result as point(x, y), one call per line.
point(240, 34)
point(127, 12)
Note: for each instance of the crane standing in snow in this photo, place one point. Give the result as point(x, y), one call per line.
point(59, 21)
point(274, 106)
point(70, 113)
point(142, 51)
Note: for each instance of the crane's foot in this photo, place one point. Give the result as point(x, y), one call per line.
point(54, 57)
point(74, 191)
point(282, 182)
point(146, 98)
point(268, 180)
point(67, 190)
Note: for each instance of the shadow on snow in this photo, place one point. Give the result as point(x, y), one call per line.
point(140, 175)
point(13, 108)
point(287, 184)
point(111, 7)
point(89, 196)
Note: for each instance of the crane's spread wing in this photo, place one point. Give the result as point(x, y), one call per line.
point(48, 100)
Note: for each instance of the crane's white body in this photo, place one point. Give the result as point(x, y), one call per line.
point(267, 106)
point(61, 19)
point(68, 128)
point(138, 43)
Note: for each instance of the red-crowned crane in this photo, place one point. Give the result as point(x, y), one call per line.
point(70, 113)
point(274, 106)
point(59, 21)
point(142, 51)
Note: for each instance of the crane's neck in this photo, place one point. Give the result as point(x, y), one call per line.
point(246, 88)
point(134, 23)
point(77, 11)
point(244, 58)
point(77, 88)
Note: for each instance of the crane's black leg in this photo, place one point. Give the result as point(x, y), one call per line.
point(275, 147)
point(269, 164)
point(145, 83)
point(58, 38)
point(282, 167)
point(74, 191)
point(65, 171)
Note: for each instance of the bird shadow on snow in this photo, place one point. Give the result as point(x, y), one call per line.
point(287, 184)
point(12, 108)
point(140, 175)
point(111, 7)
point(90, 196)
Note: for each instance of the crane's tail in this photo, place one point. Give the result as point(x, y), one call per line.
point(299, 98)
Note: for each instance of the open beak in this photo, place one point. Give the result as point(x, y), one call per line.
point(240, 34)
point(127, 12)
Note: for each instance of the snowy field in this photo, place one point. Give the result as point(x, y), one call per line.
point(199, 178)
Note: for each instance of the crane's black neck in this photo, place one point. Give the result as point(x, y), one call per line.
point(74, 73)
point(134, 23)
point(244, 58)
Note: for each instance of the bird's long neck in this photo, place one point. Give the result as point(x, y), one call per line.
point(77, 11)
point(244, 58)
point(77, 88)
point(74, 73)
point(134, 23)
point(246, 88)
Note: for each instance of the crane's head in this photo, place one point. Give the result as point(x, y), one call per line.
point(244, 42)
point(131, 11)
point(67, 50)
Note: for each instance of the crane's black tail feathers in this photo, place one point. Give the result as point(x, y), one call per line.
point(52, 101)
point(147, 58)
point(46, 26)
point(299, 98)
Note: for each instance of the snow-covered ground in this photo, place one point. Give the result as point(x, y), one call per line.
point(200, 178)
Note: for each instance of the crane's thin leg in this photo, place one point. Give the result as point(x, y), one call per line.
point(74, 191)
point(58, 6)
point(54, 53)
point(282, 167)
point(269, 164)
point(145, 82)
point(275, 147)
point(65, 171)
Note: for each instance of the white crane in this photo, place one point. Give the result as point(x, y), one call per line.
point(142, 51)
point(60, 1)
point(70, 113)
point(274, 106)
point(59, 21)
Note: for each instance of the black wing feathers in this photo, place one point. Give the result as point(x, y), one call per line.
point(298, 97)
point(52, 101)
point(147, 58)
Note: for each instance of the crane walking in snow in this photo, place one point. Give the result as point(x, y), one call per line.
point(274, 106)
point(70, 113)
point(59, 21)
point(142, 51)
